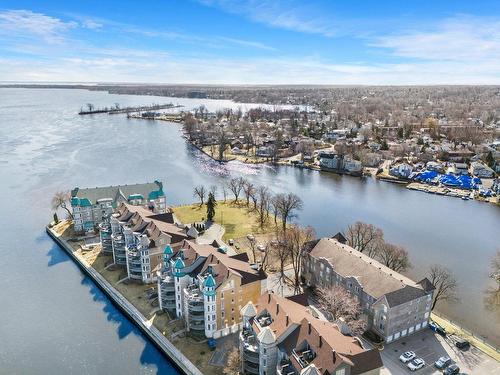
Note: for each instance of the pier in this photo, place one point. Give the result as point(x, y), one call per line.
point(116, 110)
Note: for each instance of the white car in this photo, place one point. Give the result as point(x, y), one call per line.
point(407, 357)
point(416, 364)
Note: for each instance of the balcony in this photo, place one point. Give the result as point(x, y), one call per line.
point(250, 368)
point(304, 357)
point(285, 367)
point(264, 320)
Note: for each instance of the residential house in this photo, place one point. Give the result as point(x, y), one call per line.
point(481, 170)
point(394, 305)
point(281, 337)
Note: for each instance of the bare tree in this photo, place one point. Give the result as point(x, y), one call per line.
point(294, 239)
point(61, 200)
point(236, 185)
point(224, 193)
point(364, 237)
point(263, 204)
point(337, 303)
point(213, 190)
point(249, 190)
point(252, 243)
point(287, 205)
point(200, 192)
point(444, 282)
point(233, 365)
point(394, 257)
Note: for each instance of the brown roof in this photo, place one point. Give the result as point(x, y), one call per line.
point(375, 278)
point(141, 219)
point(222, 264)
point(292, 324)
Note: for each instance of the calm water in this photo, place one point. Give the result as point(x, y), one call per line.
point(52, 314)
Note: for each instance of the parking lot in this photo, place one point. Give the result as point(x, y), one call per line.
point(430, 346)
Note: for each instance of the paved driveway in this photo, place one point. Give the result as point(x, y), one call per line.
point(430, 346)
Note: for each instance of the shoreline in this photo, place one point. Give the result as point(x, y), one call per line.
point(174, 355)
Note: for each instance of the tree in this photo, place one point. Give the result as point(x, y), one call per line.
point(445, 284)
point(337, 303)
point(233, 365)
point(200, 192)
point(364, 237)
point(287, 204)
point(263, 204)
point(294, 240)
point(61, 200)
point(224, 193)
point(211, 204)
point(394, 257)
point(213, 190)
point(90, 107)
point(249, 190)
point(236, 185)
point(253, 245)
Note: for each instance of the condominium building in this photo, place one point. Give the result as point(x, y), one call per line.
point(207, 288)
point(93, 206)
point(139, 237)
point(394, 305)
point(280, 336)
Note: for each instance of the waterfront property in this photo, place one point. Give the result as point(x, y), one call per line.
point(92, 206)
point(280, 336)
point(138, 239)
point(394, 305)
point(207, 288)
point(333, 162)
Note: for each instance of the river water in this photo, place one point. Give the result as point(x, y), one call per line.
point(54, 320)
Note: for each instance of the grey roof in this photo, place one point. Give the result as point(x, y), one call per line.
point(117, 193)
point(376, 279)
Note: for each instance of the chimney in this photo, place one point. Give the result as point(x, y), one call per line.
point(277, 308)
point(269, 298)
point(309, 328)
point(287, 321)
point(320, 341)
point(334, 356)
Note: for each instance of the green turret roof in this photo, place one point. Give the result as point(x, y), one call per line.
point(135, 196)
point(209, 282)
point(168, 250)
point(85, 202)
point(179, 263)
point(156, 194)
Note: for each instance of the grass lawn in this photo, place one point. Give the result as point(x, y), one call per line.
point(237, 219)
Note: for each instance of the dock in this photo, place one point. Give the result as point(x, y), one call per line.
point(118, 110)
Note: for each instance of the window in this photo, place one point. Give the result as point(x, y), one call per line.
point(340, 372)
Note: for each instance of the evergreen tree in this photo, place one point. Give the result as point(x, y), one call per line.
point(211, 203)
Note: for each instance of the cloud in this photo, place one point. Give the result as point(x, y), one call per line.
point(290, 15)
point(462, 38)
point(28, 23)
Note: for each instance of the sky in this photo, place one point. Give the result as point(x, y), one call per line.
point(251, 42)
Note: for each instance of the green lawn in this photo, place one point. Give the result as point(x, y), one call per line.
point(237, 219)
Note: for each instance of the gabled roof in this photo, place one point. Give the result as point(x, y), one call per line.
point(292, 324)
point(375, 278)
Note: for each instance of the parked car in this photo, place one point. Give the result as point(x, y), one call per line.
point(452, 370)
point(462, 344)
point(438, 329)
point(416, 364)
point(443, 362)
point(261, 248)
point(407, 356)
point(231, 242)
